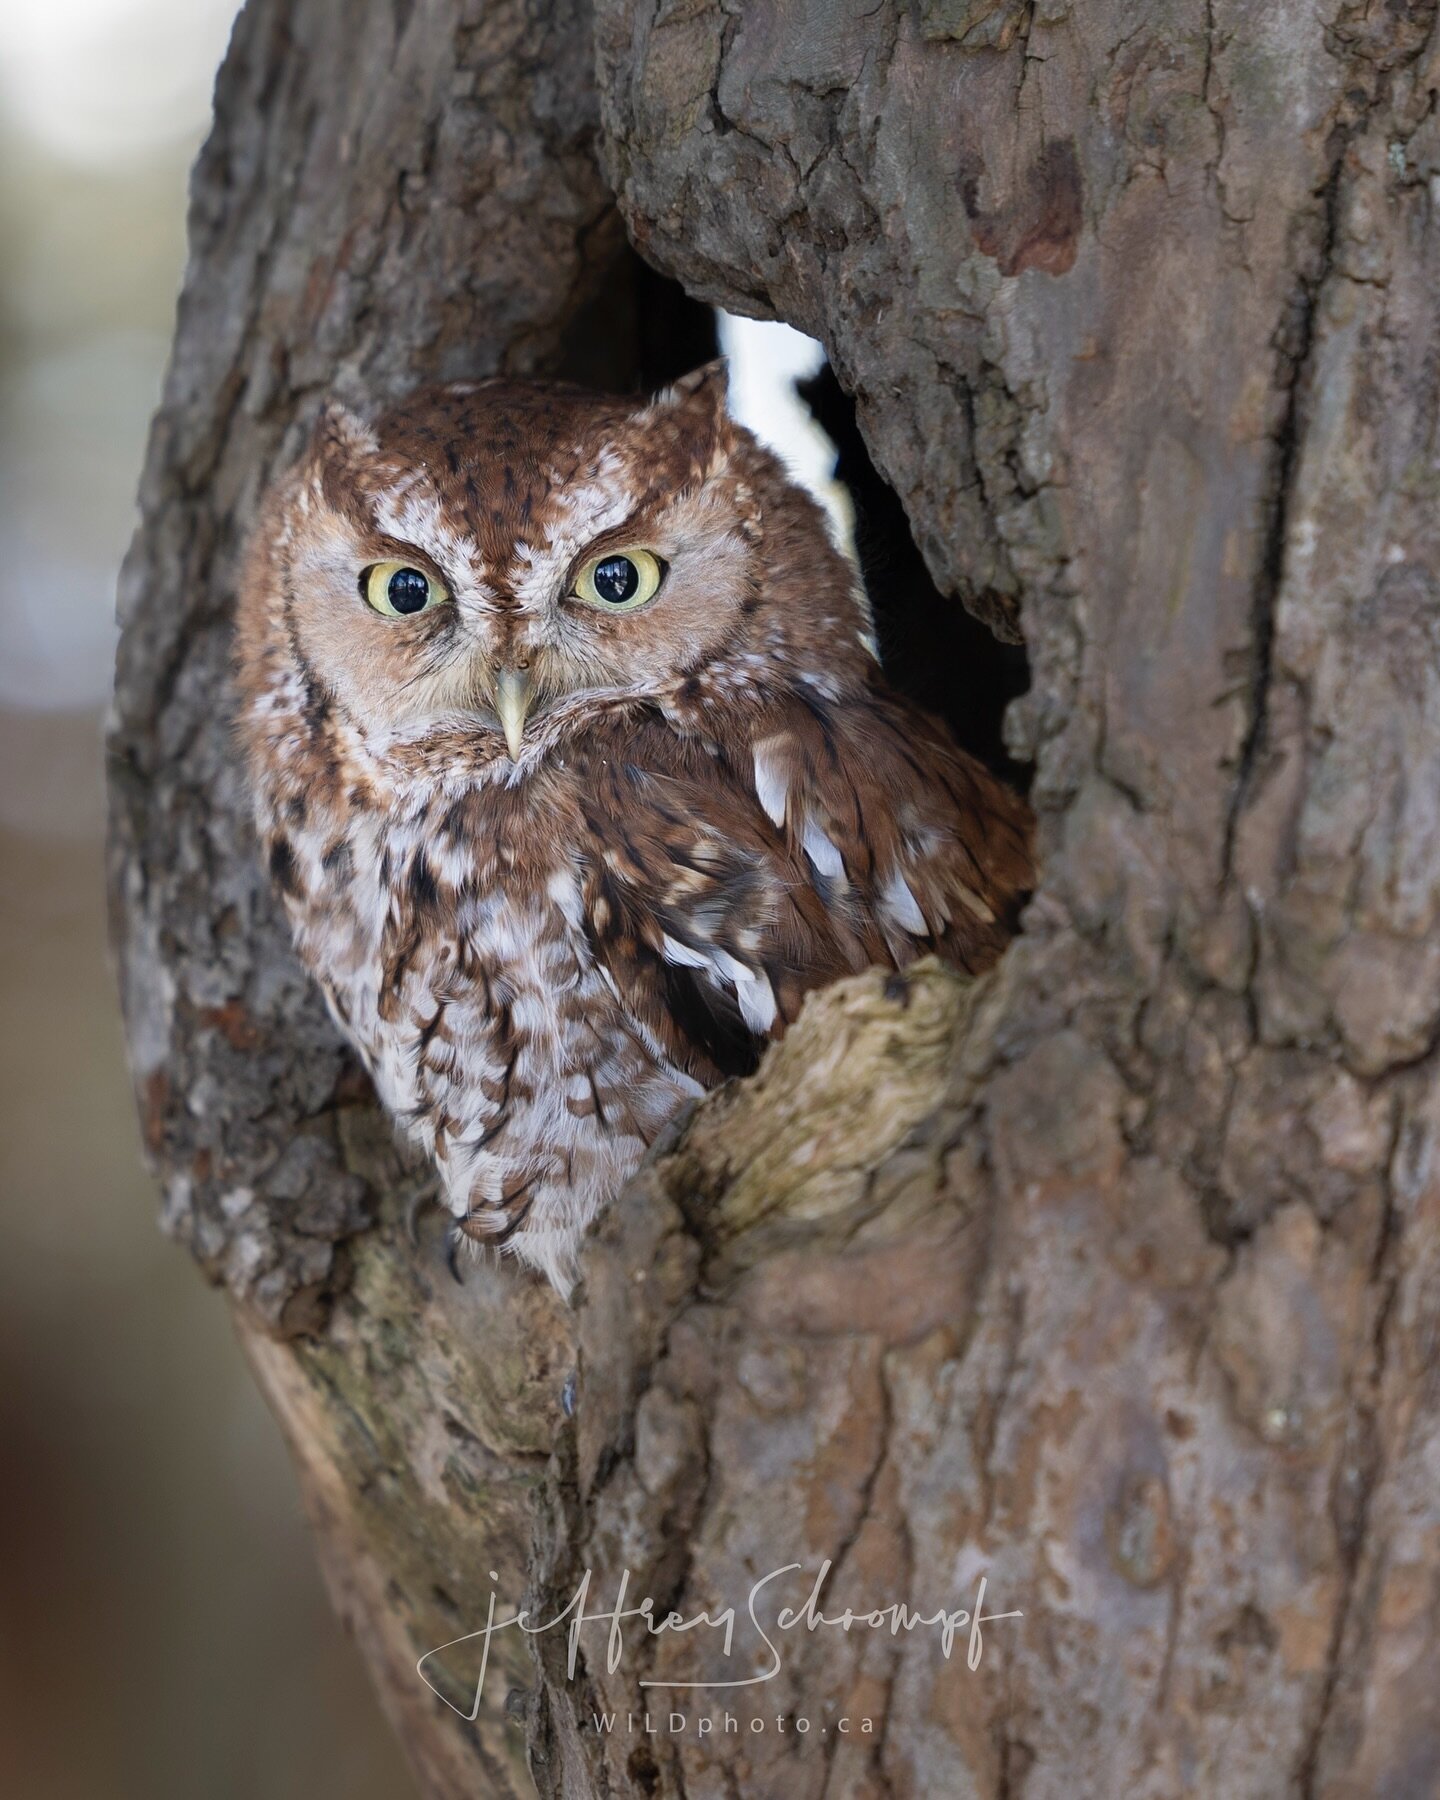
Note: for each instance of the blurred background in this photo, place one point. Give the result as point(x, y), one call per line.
point(163, 1631)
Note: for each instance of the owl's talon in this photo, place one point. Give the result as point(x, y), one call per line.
point(452, 1255)
point(428, 1196)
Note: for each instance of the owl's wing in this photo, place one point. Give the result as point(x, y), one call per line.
point(919, 844)
point(705, 921)
point(725, 879)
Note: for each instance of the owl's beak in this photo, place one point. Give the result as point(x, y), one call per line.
point(514, 695)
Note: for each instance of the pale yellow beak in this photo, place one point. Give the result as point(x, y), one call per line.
point(514, 696)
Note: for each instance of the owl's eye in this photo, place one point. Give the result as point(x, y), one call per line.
point(398, 591)
point(620, 581)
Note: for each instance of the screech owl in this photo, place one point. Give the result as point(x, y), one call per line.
point(576, 770)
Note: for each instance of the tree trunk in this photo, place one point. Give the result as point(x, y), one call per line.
point(1113, 1279)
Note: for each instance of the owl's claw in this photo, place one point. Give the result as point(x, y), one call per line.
point(453, 1239)
point(428, 1196)
point(455, 1233)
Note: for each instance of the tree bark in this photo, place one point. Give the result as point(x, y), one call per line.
point(1113, 1278)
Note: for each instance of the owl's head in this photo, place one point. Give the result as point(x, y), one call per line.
point(508, 556)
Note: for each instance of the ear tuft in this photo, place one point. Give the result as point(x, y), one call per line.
point(708, 386)
point(337, 429)
point(694, 408)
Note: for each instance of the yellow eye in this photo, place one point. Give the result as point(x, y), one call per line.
point(620, 581)
point(399, 591)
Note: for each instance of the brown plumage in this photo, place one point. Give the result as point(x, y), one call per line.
point(563, 851)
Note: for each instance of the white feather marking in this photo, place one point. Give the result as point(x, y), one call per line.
point(412, 513)
point(757, 1005)
point(752, 990)
point(770, 784)
point(755, 996)
point(683, 956)
point(902, 905)
point(826, 686)
point(825, 856)
point(564, 890)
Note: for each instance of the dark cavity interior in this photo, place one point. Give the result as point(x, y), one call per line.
point(931, 647)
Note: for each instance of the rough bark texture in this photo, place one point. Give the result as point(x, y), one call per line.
point(1115, 1279)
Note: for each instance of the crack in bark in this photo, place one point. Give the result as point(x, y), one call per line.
point(1355, 1548)
point(1271, 575)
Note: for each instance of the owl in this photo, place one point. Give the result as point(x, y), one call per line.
point(576, 770)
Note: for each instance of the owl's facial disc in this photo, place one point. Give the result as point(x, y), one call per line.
point(519, 552)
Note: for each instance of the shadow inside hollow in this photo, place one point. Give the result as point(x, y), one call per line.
point(932, 648)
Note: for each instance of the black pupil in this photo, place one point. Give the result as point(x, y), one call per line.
point(408, 590)
point(616, 579)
